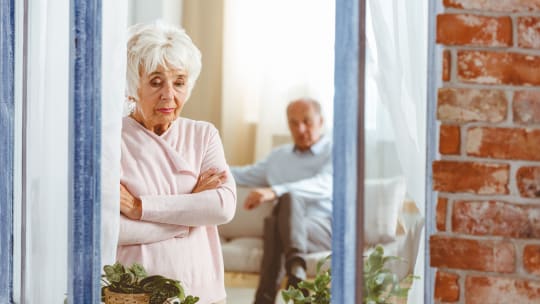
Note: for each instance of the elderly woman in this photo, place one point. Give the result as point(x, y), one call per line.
point(175, 183)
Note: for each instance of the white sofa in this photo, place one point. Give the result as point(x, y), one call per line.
point(242, 242)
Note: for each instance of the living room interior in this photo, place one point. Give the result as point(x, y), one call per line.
point(253, 66)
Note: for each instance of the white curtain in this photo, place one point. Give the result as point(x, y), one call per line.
point(396, 100)
point(275, 51)
point(46, 151)
point(113, 73)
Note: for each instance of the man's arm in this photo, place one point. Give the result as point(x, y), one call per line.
point(252, 175)
point(316, 187)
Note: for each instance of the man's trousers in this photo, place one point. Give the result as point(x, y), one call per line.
point(288, 234)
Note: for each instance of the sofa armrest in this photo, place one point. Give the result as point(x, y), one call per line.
point(246, 223)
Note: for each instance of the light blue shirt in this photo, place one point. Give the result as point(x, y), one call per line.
point(306, 174)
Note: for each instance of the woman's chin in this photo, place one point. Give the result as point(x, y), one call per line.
point(167, 117)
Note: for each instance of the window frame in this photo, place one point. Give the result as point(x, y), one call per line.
point(7, 124)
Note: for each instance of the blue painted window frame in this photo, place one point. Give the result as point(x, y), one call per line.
point(348, 153)
point(7, 112)
point(84, 224)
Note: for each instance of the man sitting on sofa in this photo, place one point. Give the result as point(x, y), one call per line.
point(299, 178)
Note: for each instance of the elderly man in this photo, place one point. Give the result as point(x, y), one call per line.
point(299, 178)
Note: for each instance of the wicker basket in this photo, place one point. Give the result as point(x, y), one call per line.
point(112, 297)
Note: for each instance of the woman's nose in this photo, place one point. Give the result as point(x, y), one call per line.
point(168, 91)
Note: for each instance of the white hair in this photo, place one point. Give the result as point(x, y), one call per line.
point(157, 44)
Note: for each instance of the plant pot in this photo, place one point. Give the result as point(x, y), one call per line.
point(112, 297)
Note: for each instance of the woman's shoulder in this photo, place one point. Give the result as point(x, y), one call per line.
point(198, 126)
point(192, 123)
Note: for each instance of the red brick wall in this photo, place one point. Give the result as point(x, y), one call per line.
point(487, 246)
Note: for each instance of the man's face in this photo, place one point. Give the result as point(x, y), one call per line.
point(305, 124)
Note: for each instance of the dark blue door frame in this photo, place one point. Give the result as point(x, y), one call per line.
point(7, 112)
point(348, 153)
point(84, 224)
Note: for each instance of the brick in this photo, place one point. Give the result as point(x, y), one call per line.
point(467, 105)
point(528, 32)
point(487, 255)
point(449, 139)
point(496, 218)
point(485, 67)
point(526, 107)
point(531, 259)
point(442, 202)
point(503, 143)
point(496, 5)
point(446, 287)
point(447, 63)
point(474, 30)
point(528, 181)
point(496, 290)
point(472, 177)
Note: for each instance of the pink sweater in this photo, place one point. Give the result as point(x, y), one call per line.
point(177, 235)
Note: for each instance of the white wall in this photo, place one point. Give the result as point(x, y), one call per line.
point(170, 11)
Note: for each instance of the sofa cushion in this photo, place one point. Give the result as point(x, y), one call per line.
point(383, 200)
point(246, 223)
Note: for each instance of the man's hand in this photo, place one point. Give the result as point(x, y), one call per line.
point(130, 206)
point(259, 196)
point(210, 179)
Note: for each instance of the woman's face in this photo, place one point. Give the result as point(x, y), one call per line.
point(162, 94)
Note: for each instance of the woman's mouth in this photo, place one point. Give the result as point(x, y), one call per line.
point(166, 110)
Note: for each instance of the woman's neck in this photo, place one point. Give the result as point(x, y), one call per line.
point(155, 128)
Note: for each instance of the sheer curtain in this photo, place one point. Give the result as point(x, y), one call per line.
point(274, 51)
point(396, 99)
point(46, 147)
point(113, 63)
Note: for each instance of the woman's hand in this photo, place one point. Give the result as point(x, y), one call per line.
point(130, 206)
point(210, 179)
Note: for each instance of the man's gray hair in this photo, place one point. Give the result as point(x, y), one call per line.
point(314, 103)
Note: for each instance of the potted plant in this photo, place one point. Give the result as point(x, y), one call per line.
point(380, 284)
point(123, 285)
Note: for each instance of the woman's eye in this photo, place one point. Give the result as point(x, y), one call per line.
point(180, 83)
point(155, 82)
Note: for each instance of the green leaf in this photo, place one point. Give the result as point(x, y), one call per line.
point(138, 270)
point(323, 261)
point(128, 278)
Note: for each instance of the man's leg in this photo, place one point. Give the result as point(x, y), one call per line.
point(319, 232)
point(269, 275)
point(293, 235)
point(300, 234)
